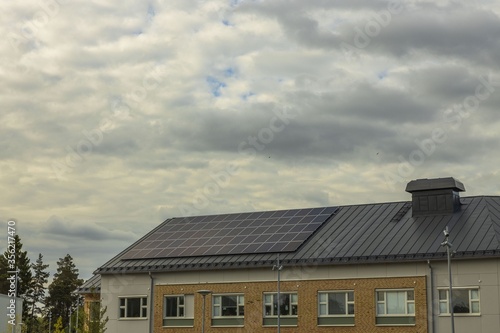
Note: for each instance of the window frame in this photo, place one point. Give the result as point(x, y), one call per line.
point(178, 306)
point(187, 306)
point(326, 303)
point(143, 307)
point(384, 302)
point(408, 318)
point(471, 300)
point(271, 304)
point(240, 304)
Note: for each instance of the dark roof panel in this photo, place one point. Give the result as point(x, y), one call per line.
point(356, 233)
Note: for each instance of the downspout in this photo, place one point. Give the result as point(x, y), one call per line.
point(151, 303)
point(432, 297)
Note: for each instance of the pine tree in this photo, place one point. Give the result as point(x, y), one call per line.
point(36, 293)
point(22, 264)
point(62, 291)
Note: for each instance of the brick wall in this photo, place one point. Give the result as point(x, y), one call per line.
point(364, 293)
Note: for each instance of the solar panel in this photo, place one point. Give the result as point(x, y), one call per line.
point(242, 233)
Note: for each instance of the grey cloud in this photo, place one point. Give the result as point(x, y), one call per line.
point(88, 231)
point(465, 33)
point(453, 30)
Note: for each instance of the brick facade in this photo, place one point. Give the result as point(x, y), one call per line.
point(364, 293)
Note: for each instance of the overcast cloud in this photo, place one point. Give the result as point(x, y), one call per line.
point(116, 115)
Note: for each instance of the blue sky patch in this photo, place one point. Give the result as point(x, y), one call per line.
point(383, 74)
point(229, 72)
point(215, 85)
point(151, 13)
point(245, 96)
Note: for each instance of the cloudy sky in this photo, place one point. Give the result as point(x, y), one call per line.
point(116, 115)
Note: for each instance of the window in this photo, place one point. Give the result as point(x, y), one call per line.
point(178, 310)
point(395, 307)
point(174, 306)
point(288, 309)
point(465, 300)
point(336, 308)
point(228, 310)
point(133, 307)
point(288, 304)
point(229, 305)
point(336, 303)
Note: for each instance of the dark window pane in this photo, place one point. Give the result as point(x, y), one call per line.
point(133, 307)
point(336, 304)
point(285, 304)
point(268, 310)
point(461, 301)
point(229, 305)
point(171, 304)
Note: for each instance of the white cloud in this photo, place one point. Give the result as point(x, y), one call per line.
point(120, 97)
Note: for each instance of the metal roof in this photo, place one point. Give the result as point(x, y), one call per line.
point(92, 285)
point(369, 233)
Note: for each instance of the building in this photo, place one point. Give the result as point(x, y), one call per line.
point(357, 268)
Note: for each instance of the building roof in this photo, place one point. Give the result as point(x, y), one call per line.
point(368, 233)
point(92, 285)
point(435, 184)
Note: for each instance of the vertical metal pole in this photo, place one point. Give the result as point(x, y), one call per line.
point(50, 321)
point(204, 294)
point(279, 294)
point(203, 315)
point(432, 316)
point(450, 291)
point(77, 312)
point(69, 326)
point(452, 315)
point(151, 303)
point(278, 267)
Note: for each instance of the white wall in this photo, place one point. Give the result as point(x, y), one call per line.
point(484, 274)
point(466, 273)
point(115, 286)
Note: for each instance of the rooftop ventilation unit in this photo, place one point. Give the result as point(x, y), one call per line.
point(435, 196)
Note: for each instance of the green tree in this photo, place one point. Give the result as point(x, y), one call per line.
point(22, 264)
point(36, 293)
point(96, 319)
point(62, 291)
point(58, 326)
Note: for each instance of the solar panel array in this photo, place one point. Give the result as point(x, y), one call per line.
point(245, 233)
